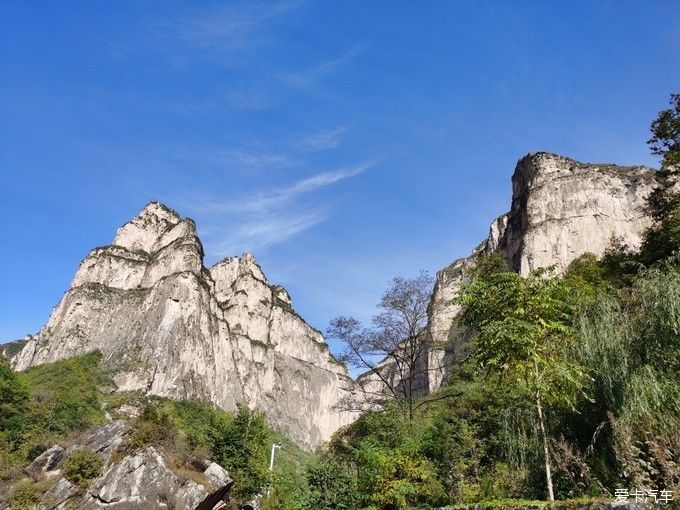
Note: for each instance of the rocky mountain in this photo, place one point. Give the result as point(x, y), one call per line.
point(560, 209)
point(169, 326)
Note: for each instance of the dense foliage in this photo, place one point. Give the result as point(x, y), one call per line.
point(45, 405)
point(82, 466)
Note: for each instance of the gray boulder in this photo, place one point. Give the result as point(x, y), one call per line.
point(46, 463)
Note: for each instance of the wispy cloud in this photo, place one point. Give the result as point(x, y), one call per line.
point(309, 77)
point(253, 221)
point(220, 34)
point(322, 140)
point(260, 155)
point(267, 202)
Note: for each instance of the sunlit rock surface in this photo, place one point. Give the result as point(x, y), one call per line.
point(560, 210)
point(169, 326)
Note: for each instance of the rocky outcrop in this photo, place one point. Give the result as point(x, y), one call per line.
point(46, 463)
point(168, 326)
point(560, 210)
point(144, 479)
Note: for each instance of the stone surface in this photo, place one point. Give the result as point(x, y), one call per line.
point(145, 480)
point(45, 463)
point(560, 210)
point(59, 495)
point(152, 478)
point(217, 475)
point(103, 439)
point(169, 326)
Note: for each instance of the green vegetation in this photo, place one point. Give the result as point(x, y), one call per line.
point(25, 495)
point(524, 333)
point(46, 405)
point(52, 403)
point(193, 429)
point(82, 466)
point(665, 140)
point(600, 353)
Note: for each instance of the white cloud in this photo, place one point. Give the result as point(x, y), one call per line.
point(253, 221)
point(261, 232)
point(309, 77)
point(221, 33)
point(323, 140)
point(266, 202)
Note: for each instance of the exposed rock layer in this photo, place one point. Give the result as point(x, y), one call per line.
point(560, 210)
point(169, 326)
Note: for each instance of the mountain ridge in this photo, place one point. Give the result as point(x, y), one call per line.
point(169, 326)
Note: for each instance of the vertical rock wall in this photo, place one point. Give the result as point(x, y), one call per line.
point(169, 326)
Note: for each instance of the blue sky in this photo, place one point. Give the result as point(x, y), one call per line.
point(342, 142)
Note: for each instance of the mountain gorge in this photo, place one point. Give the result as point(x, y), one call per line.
point(169, 326)
point(173, 334)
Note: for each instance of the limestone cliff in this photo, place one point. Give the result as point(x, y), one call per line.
point(169, 326)
point(560, 209)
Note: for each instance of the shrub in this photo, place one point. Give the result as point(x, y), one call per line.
point(24, 496)
point(330, 486)
point(82, 466)
point(65, 393)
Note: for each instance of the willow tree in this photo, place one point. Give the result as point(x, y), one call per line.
point(524, 336)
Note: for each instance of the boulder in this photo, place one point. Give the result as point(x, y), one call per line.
point(46, 463)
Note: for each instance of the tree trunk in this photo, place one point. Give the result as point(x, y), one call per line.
point(541, 421)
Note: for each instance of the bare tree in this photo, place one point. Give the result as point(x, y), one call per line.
point(394, 350)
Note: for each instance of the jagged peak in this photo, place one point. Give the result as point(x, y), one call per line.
point(160, 210)
point(147, 231)
point(229, 268)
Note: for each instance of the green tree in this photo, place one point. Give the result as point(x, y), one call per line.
point(13, 397)
point(244, 451)
point(396, 478)
point(665, 140)
point(524, 333)
point(662, 239)
point(331, 486)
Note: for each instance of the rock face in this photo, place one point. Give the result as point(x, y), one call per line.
point(147, 479)
point(169, 326)
point(560, 210)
